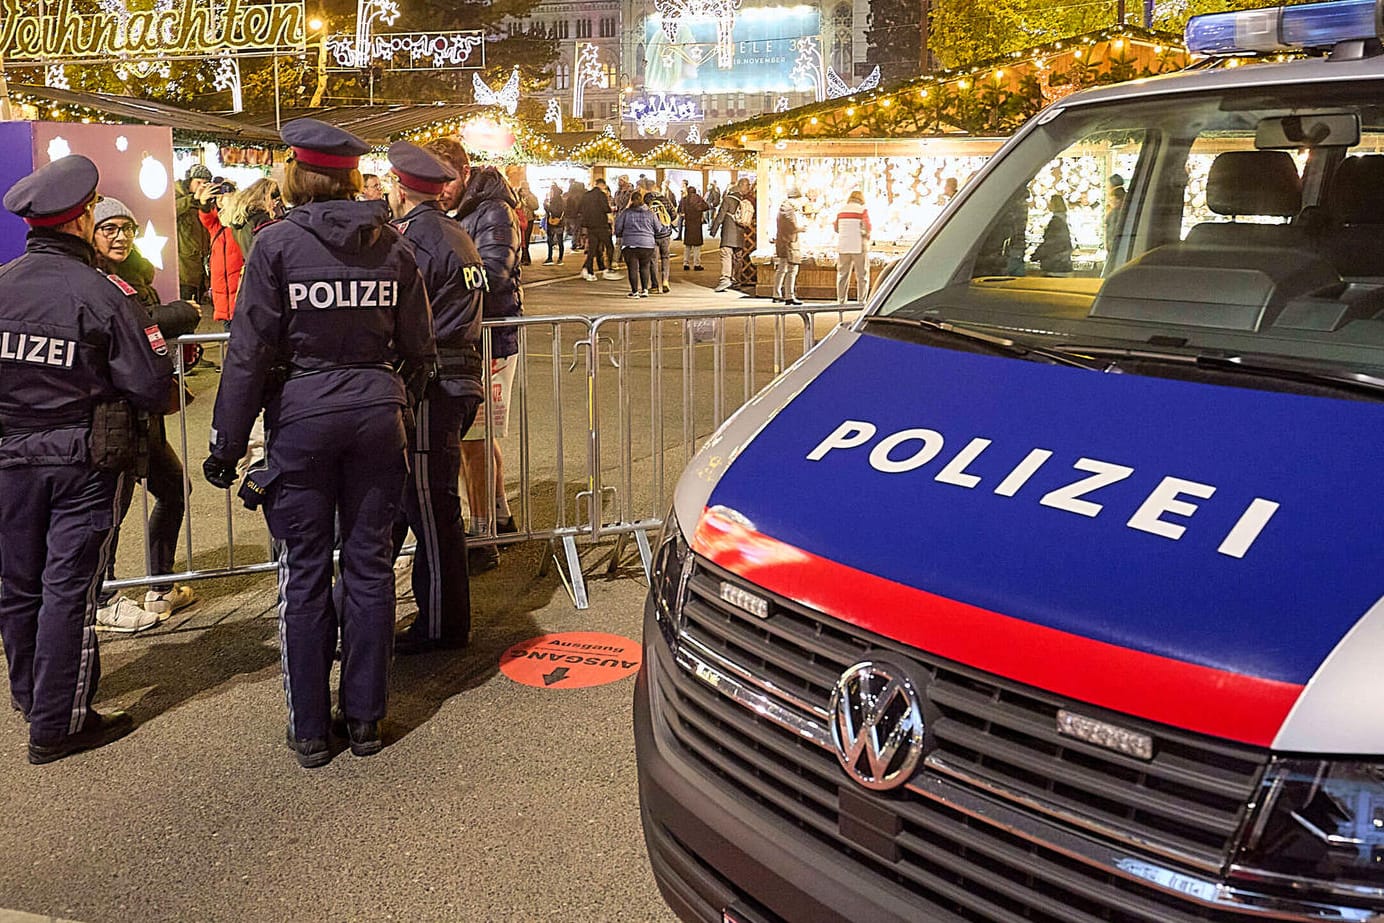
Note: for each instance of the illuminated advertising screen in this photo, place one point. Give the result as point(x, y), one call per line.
point(755, 57)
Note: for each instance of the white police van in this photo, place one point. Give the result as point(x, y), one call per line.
point(1060, 596)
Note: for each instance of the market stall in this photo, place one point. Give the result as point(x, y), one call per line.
point(910, 146)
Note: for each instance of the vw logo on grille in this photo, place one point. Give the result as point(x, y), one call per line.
point(877, 724)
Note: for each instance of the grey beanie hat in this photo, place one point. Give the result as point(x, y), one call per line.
point(109, 208)
point(198, 171)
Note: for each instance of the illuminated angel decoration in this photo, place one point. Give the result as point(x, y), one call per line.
point(506, 97)
point(838, 88)
point(674, 12)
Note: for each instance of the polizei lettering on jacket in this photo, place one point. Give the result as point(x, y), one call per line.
point(909, 450)
point(53, 352)
point(343, 293)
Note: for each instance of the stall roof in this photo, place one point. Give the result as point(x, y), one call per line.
point(377, 125)
point(185, 123)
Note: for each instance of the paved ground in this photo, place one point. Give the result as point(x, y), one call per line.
point(492, 800)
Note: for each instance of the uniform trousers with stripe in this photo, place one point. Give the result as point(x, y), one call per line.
point(56, 525)
point(347, 469)
point(432, 508)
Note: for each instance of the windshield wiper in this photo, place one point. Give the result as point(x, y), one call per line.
point(998, 344)
point(1256, 365)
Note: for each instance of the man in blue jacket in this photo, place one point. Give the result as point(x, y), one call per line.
point(486, 212)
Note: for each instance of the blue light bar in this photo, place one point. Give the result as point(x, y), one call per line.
point(1280, 28)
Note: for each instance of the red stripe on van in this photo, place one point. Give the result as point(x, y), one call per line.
point(1202, 699)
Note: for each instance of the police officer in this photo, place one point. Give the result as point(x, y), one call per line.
point(331, 332)
point(74, 356)
point(455, 279)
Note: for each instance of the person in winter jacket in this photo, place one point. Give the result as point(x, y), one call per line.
point(788, 253)
point(853, 248)
point(487, 214)
point(571, 214)
point(731, 223)
point(332, 338)
point(247, 211)
point(1054, 252)
point(595, 218)
point(116, 255)
point(226, 260)
point(664, 210)
point(638, 229)
point(528, 214)
point(193, 241)
point(553, 210)
point(693, 209)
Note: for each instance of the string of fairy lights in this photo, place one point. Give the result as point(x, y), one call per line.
point(1021, 77)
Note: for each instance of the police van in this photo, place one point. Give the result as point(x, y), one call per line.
point(1059, 596)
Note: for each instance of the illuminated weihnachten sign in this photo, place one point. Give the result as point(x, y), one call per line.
point(55, 31)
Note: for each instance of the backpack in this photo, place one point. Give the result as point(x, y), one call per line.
point(744, 214)
point(660, 210)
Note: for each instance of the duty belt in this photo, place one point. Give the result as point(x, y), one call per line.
point(19, 425)
point(459, 362)
point(298, 372)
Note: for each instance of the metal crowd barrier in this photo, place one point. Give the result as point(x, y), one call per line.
point(606, 411)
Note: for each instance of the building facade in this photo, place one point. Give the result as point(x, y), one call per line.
point(662, 73)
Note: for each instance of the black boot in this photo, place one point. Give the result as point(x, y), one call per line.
point(312, 753)
point(97, 730)
point(364, 737)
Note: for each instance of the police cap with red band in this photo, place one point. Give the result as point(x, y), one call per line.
point(55, 193)
point(317, 144)
point(418, 170)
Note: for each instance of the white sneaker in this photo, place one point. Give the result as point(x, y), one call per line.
point(611, 274)
point(124, 615)
point(588, 276)
point(723, 285)
point(165, 604)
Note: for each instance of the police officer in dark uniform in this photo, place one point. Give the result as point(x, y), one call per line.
point(332, 333)
point(455, 279)
point(76, 364)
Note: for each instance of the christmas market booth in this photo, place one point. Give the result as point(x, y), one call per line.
point(908, 147)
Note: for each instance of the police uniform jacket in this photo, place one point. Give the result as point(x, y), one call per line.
point(454, 276)
point(70, 338)
point(330, 302)
point(487, 214)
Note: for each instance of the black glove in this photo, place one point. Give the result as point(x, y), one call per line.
point(416, 377)
point(219, 473)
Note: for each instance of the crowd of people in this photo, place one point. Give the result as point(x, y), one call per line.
point(354, 308)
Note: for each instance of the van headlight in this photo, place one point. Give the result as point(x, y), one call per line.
point(1318, 826)
point(668, 578)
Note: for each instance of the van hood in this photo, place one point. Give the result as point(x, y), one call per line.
point(1190, 554)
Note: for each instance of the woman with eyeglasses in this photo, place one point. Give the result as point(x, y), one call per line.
point(117, 256)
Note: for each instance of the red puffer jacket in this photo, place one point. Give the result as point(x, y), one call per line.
point(226, 264)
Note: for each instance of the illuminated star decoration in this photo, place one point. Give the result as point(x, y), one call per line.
point(674, 12)
point(506, 97)
point(807, 68)
point(838, 88)
point(694, 135)
point(586, 73)
point(151, 245)
point(55, 75)
point(228, 78)
point(367, 11)
point(554, 115)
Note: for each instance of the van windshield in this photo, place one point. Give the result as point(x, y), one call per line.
point(1246, 220)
